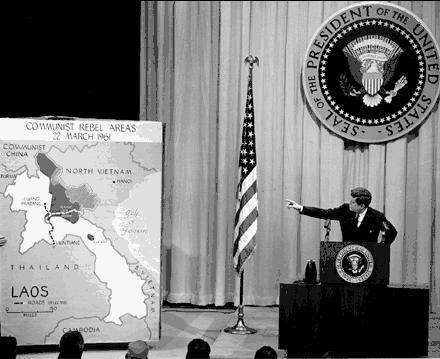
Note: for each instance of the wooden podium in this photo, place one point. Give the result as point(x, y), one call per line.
point(353, 319)
point(380, 253)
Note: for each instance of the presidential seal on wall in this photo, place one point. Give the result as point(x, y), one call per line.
point(354, 263)
point(371, 72)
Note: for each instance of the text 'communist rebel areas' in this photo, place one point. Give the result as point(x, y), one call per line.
point(81, 131)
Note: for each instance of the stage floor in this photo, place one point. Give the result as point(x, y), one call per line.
point(180, 325)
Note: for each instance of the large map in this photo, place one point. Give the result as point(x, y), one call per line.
point(80, 207)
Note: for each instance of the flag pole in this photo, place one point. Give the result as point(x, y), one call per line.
point(240, 327)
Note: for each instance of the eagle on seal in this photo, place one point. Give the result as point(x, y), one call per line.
point(372, 62)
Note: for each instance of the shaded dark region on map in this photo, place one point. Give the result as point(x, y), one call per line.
point(60, 203)
point(46, 165)
point(90, 237)
point(66, 203)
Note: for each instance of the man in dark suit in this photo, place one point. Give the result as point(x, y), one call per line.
point(359, 222)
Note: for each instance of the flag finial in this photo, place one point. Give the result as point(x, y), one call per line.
point(251, 60)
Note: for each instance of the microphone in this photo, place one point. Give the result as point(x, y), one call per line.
point(327, 227)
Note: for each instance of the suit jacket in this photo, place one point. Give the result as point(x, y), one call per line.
point(368, 231)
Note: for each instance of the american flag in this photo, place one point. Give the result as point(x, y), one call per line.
point(247, 203)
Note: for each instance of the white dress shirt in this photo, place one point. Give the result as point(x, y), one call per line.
point(361, 216)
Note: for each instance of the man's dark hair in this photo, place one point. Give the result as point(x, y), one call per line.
point(8, 346)
point(71, 345)
point(266, 352)
point(198, 348)
point(361, 195)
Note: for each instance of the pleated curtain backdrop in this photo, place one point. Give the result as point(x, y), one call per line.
point(194, 81)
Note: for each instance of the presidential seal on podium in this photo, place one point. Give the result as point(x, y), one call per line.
point(354, 263)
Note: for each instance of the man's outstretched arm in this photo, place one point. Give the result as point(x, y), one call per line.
point(331, 213)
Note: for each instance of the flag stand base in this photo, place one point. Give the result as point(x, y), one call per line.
point(240, 327)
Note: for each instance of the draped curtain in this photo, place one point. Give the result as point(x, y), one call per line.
point(195, 82)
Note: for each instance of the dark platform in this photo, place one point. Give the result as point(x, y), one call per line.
point(353, 320)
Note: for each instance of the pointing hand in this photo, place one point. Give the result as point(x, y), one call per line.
point(292, 204)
